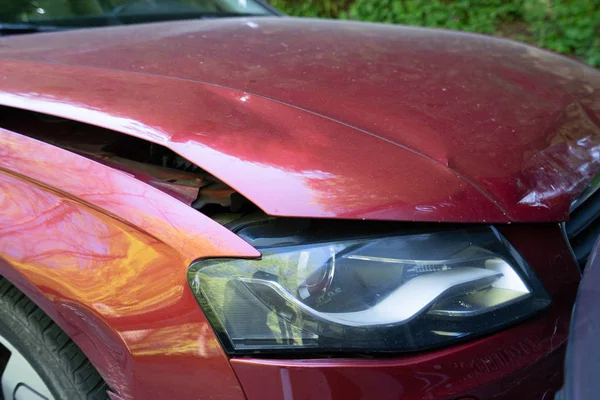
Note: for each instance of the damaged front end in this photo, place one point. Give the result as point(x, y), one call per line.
point(148, 162)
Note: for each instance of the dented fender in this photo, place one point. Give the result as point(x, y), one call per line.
point(106, 257)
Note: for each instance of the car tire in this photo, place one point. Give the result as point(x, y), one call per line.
point(40, 347)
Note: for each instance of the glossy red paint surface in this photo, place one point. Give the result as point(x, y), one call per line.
point(282, 168)
point(434, 126)
point(372, 122)
point(522, 362)
point(106, 256)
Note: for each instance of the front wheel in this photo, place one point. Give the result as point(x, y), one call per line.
point(37, 359)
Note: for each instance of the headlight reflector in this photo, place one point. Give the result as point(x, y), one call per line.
point(399, 293)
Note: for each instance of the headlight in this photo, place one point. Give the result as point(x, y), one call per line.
point(399, 293)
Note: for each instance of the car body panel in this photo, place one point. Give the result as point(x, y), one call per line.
point(121, 292)
point(500, 368)
point(297, 164)
point(428, 130)
point(581, 378)
point(106, 257)
point(487, 120)
point(521, 362)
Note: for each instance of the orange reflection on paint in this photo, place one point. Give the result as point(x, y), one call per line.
point(108, 254)
point(111, 266)
point(180, 227)
point(191, 338)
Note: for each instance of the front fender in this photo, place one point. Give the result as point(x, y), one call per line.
point(106, 256)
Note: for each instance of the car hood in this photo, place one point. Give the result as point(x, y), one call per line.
point(315, 118)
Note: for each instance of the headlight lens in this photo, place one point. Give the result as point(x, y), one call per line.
point(388, 294)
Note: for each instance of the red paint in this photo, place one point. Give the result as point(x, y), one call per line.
point(106, 256)
point(522, 362)
point(305, 118)
point(462, 127)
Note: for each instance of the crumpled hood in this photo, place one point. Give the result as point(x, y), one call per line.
point(334, 119)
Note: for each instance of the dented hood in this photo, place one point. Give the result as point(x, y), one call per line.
point(333, 119)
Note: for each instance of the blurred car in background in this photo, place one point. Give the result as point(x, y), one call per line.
point(581, 381)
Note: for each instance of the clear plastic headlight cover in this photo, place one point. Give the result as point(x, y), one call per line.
point(387, 294)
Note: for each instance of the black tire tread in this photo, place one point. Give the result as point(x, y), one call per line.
point(82, 374)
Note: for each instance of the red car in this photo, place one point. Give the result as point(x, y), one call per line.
point(259, 207)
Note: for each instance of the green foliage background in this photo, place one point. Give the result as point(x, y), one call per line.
point(570, 27)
